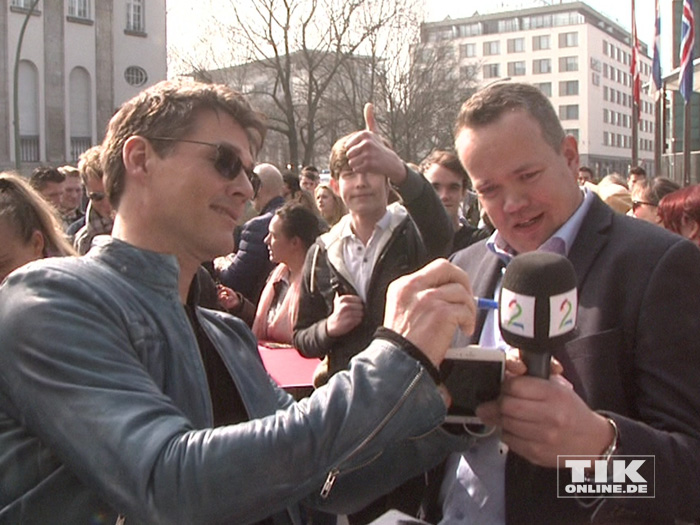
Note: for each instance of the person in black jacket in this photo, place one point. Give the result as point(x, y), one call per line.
point(250, 265)
point(348, 269)
point(451, 182)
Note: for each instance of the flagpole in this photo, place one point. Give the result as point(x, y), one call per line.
point(658, 88)
point(686, 145)
point(658, 131)
point(635, 92)
point(685, 80)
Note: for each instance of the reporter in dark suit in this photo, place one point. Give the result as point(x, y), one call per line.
point(635, 365)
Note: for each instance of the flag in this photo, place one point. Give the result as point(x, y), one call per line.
point(655, 84)
point(634, 66)
point(687, 42)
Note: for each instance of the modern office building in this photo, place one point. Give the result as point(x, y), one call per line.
point(578, 57)
point(79, 60)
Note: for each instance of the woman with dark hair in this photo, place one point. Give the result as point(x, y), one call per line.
point(680, 212)
point(292, 231)
point(646, 198)
point(29, 227)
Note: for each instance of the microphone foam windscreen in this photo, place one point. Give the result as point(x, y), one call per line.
point(538, 302)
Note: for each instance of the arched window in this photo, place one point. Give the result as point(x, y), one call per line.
point(28, 99)
point(80, 97)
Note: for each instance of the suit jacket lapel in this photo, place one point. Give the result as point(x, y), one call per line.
point(490, 267)
point(591, 238)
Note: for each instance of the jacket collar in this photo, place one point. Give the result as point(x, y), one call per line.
point(591, 238)
point(155, 270)
point(331, 240)
point(275, 202)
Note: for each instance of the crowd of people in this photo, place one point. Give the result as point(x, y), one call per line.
point(130, 380)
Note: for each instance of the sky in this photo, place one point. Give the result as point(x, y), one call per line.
point(185, 18)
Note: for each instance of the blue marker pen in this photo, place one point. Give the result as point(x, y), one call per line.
point(486, 304)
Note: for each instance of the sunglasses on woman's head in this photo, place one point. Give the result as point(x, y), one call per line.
point(227, 162)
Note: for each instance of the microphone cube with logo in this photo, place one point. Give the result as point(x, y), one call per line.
point(538, 307)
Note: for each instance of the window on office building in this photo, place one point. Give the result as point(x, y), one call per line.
point(79, 9)
point(568, 112)
point(568, 39)
point(574, 132)
point(568, 88)
point(467, 50)
point(544, 87)
point(568, 64)
point(541, 66)
point(469, 29)
point(516, 45)
point(540, 42)
point(135, 16)
point(22, 4)
point(516, 69)
point(491, 71)
point(491, 48)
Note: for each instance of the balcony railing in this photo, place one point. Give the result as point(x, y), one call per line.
point(29, 148)
point(78, 145)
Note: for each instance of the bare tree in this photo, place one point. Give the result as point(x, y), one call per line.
point(291, 54)
point(423, 98)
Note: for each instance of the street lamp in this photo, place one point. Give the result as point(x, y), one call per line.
point(15, 94)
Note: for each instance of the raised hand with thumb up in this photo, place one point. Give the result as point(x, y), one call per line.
point(368, 152)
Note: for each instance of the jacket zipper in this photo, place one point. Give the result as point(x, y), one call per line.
point(333, 473)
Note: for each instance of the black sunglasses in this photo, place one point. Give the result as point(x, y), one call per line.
point(637, 204)
point(227, 162)
point(96, 196)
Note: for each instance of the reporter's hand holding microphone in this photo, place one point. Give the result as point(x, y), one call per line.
point(542, 419)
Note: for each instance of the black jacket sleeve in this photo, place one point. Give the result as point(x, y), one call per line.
point(426, 210)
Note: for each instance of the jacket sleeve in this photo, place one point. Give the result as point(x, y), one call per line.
point(251, 263)
point(427, 211)
point(665, 367)
point(310, 336)
point(82, 389)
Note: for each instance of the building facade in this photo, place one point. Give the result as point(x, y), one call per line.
point(347, 83)
point(79, 60)
point(579, 58)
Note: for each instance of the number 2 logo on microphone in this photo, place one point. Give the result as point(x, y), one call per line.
point(562, 313)
point(515, 311)
point(519, 315)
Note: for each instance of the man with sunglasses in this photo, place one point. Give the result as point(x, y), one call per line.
point(131, 400)
point(99, 215)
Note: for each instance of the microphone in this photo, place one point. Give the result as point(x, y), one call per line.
point(538, 307)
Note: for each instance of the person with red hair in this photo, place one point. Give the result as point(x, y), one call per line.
point(680, 212)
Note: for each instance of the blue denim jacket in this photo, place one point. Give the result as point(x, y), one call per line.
point(104, 408)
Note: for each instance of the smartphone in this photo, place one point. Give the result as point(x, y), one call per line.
point(473, 375)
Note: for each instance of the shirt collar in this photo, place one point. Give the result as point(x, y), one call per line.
point(382, 224)
point(567, 232)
